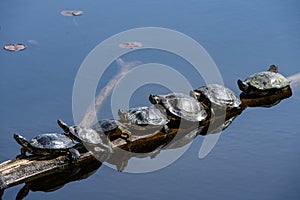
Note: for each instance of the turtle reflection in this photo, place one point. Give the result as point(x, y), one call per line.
point(60, 177)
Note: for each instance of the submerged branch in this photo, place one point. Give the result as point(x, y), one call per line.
point(91, 114)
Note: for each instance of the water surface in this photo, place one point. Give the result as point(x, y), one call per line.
point(257, 157)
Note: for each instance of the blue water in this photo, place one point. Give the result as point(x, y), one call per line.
point(257, 157)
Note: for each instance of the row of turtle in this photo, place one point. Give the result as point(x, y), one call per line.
point(195, 107)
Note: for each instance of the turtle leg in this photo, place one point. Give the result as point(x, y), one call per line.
point(74, 153)
point(127, 136)
point(23, 192)
point(122, 164)
point(165, 129)
point(23, 153)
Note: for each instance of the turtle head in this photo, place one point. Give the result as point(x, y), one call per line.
point(123, 115)
point(243, 85)
point(273, 68)
point(154, 99)
point(195, 94)
point(70, 131)
point(21, 140)
point(64, 126)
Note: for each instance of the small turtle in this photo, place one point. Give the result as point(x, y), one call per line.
point(91, 138)
point(144, 118)
point(264, 83)
point(48, 144)
point(113, 129)
point(216, 94)
point(180, 106)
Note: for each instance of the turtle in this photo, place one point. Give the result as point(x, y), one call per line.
point(217, 96)
point(144, 118)
point(113, 129)
point(88, 136)
point(180, 106)
point(48, 144)
point(264, 83)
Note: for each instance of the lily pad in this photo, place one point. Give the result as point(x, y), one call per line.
point(67, 13)
point(130, 45)
point(14, 47)
point(71, 12)
point(77, 12)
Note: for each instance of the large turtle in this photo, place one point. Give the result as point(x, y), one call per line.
point(180, 106)
point(88, 136)
point(144, 118)
point(113, 129)
point(216, 95)
point(264, 83)
point(48, 144)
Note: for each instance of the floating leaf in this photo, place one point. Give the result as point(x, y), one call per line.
point(130, 45)
point(14, 47)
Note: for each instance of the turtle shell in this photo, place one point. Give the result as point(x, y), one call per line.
point(48, 144)
point(217, 94)
point(113, 129)
point(180, 106)
point(91, 138)
point(107, 125)
point(52, 141)
point(86, 135)
point(144, 116)
point(267, 80)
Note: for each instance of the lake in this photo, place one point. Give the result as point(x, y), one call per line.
point(256, 157)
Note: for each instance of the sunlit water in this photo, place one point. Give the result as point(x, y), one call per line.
point(257, 157)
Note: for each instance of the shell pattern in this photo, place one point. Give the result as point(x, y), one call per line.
point(267, 80)
point(52, 141)
point(145, 116)
point(220, 95)
point(85, 134)
point(183, 106)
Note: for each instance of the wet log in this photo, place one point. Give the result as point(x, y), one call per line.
point(266, 101)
